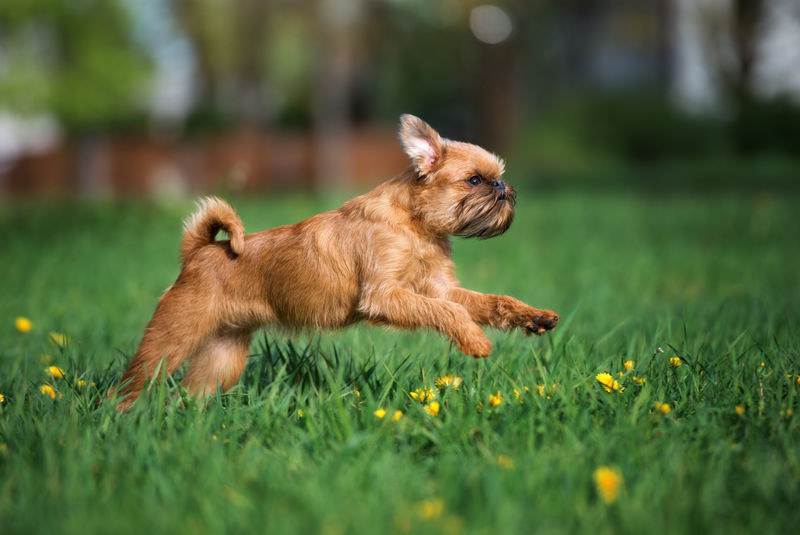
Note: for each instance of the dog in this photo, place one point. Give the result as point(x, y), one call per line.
point(383, 258)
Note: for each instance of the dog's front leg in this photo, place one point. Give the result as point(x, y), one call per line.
point(503, 312)
point(403, 308)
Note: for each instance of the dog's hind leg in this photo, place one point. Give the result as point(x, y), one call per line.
point(181, 324)
point(218, 363)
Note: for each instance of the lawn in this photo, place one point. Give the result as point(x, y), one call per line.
point(701, 292)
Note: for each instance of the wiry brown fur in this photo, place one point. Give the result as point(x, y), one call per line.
point(383, 257)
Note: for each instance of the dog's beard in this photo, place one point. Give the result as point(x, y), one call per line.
point(485, 213)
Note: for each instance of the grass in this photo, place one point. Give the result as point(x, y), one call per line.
point(712, 280)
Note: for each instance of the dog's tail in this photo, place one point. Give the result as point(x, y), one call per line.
point(201, 228)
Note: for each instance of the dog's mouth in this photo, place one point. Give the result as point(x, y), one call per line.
point(485, 216)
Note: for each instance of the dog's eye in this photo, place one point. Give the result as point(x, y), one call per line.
point(474, 180)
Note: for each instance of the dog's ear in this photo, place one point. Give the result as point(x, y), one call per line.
point(421, 142)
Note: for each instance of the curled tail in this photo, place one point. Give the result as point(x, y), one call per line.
point(201, 228)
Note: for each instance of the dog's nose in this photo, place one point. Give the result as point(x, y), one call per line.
point(499, 185)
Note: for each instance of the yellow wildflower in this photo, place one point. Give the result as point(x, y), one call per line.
point(59, 339)
point(2, 398)
point(739, 410)
point(608, 382)
point(505, 462)
point(798, 380)
point(449, 380)
point(397, 415)
point(432, 408)
point(608, 482)
point(431, 508)
point(519, 397)
point(299, 413)
point(357, 393)
point(675, 361)
point(47, 390)
point(423, 394)
point(23, 325)
point(638, 380)
point(55, 372)
point(628, 365)
point(663, 408)
point(380, 413)
point(495, 399)
point(540, 390)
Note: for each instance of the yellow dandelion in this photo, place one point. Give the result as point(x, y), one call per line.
point(505, 462)
point(608, 382)
point(23, 324)
point(431, 508)
point(397, 415)
point(432, 408)
point(663, 408)
point(54, 371)
point(675, 361)
point(762, 364)
point(423, 394)
point(380, 413)
point(495, 399)
point(608, 482)
point(739, 410)
point(47, 390)
point(58, 339)
point(449, 380)
point(628, 365)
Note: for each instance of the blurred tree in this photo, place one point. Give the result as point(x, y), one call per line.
point(76, 60)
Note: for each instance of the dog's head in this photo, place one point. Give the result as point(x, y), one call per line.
point(459, 189)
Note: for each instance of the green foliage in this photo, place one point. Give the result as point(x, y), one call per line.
point(711, 280)
point(77, 60)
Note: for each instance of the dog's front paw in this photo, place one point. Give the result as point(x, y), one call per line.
point(474, 343)
point(540, 321)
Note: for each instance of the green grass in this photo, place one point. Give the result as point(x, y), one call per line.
point(714, 280)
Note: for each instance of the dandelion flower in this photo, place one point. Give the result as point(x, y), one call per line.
point(739, 410)
point(431, 508)
point(608, 382)
point(663, 408)
point(675, 361)
point(495, 399)
point(423, 394)
point(628, 365)
point(449, 380)
point(432, 408)
point(54, 371)
point(58, 339)
point(47, 390)
point(380, 413)
point(23, 325)
point(505, 462)
point(397, 415)
point(608, 482)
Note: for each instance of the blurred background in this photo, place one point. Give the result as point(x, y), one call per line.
point(154, 97)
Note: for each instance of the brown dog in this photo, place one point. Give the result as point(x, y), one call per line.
point(383, 257)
